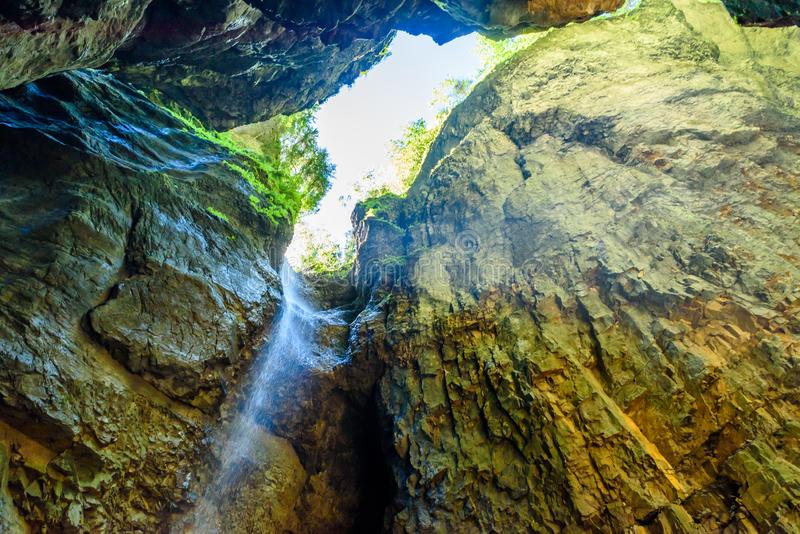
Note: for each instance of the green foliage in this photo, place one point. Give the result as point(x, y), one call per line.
point(324, 257)
point(278, 195)
point(302, 157)
point(216, 213)
point(408, 151)
point(193, 125)
point(382, 206)
point(451, 93)
point(370, 185)
point(289, 173)
point(393, 261)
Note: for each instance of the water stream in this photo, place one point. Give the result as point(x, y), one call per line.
point(294, 345)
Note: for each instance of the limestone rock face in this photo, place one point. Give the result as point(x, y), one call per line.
point(138, 284)
point(590, 319)
point(314, 464)
point(128, 307)
point(235, 62)
point(270, 483)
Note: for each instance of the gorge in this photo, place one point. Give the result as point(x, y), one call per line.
point(583, 316)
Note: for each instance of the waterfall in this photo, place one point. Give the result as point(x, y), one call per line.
point(293, 348)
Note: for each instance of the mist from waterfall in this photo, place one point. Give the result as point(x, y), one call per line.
point(293, 345)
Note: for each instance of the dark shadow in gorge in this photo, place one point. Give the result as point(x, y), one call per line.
point(379, 489)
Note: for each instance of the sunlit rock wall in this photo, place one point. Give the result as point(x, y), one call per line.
point(588, 303)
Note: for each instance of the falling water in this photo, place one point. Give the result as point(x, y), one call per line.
point(294, 346)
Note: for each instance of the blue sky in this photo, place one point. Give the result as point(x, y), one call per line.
point(357, 124)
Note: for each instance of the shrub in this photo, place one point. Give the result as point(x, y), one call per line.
point(289, 175)
point(325, 257)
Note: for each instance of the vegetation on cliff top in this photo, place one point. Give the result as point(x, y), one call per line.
point(325, 257)
point(289, 174)
point(410, 149)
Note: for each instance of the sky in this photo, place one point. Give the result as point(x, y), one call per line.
point(358, 123)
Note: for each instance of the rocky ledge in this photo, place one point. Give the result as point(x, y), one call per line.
point(238, 62)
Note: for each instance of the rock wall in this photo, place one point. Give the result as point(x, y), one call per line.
point(584, 316)
point(317, 466)
point(235, 62)
point(238, 62)
point(587, 305)
point(138, 282)
point(763, 12)
point(127, 305)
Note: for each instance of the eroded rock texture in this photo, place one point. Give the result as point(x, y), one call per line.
point(765, 12)
point(40, 38)
point(588, 303)
point(237, 62)
point(127, 306)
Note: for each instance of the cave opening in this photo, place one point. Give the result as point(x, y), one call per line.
point(363, 123)
point(569, 300)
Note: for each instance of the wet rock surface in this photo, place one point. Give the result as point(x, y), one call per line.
point(590, 319)
point(114, 273)
point(310, 459)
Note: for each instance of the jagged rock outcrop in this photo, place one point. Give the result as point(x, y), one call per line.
point(238, 62)
point(588, 303)
point(234, 62)
point(137, 279)
point(503, 17)
point(46, 37)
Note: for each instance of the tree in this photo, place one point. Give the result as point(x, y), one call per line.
point(493, 52)
point(292, 142)
point(302, 156)
point(409, 150)
point(323, 256)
